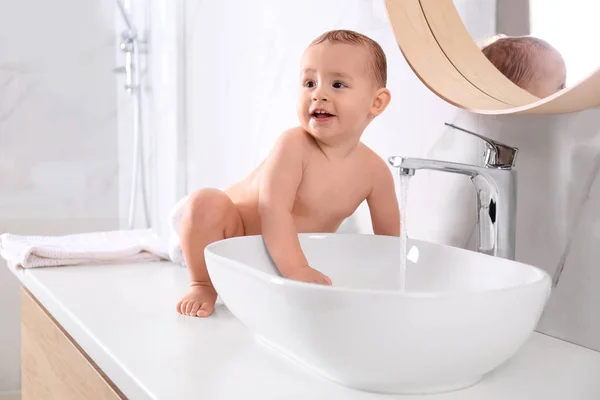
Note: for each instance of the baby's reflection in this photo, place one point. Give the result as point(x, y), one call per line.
point(530, 63)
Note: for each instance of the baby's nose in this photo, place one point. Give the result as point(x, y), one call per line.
point(320, 93)
point(319, 96)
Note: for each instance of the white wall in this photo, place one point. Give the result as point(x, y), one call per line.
point(242, 65)
point(159, 24)
point(479, 16)
point(576, 40)
point(58, 139)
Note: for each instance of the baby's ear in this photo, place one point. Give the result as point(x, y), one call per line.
point(381, 101)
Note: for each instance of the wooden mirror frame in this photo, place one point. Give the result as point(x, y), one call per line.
point(439, 49)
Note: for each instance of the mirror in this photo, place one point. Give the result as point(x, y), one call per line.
point(543, 46)
point(503, 56)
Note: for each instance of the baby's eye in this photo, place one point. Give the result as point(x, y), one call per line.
point(338, 85)
point(309, 84)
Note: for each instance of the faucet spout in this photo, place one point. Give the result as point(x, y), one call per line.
point(496, 200)
point(408, 166)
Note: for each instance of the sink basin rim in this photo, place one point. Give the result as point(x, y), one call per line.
point(543, 279)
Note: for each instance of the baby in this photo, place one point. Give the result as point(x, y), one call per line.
point(316, 175)
point(530, 63)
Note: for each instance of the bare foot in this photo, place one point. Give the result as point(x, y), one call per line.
point(311, 275)
point(198, 301)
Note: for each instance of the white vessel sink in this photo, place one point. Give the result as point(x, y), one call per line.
point(462, 313)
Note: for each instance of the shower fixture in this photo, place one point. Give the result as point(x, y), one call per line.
point(130, 45)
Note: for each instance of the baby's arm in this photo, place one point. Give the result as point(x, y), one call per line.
point(382, 201)
point(281, 178)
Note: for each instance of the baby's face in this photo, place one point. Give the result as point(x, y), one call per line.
point(337, 91)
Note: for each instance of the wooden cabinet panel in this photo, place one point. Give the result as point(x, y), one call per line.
point(53, 366)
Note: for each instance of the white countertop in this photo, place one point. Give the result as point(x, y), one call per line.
point(124, 317)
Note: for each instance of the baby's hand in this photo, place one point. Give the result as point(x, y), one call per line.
point(311, 275)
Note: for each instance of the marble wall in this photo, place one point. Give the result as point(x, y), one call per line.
point(58, 133)
point(241, 73)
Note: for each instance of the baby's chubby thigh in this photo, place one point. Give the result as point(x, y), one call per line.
point(213, 212)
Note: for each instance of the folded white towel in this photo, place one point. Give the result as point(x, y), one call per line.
point(86, 248)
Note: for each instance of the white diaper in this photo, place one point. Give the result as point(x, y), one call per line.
point(174, 246)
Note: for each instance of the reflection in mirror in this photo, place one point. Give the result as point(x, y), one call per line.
point(540, 45)
point(529, 62)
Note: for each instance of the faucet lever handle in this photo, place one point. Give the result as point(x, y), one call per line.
point(498, 155)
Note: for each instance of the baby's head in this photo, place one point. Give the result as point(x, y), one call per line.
point(343, 86)
point(530, 63)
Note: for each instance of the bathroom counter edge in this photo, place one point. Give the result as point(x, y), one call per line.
point(123, 317)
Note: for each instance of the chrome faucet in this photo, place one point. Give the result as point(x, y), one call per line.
point(495, 184)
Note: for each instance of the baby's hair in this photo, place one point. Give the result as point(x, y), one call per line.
point(515, 57)
point(489, 40)
point(378, 60)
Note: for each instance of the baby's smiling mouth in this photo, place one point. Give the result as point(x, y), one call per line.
point(321, 114)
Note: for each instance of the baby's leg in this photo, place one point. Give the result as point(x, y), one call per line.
point(209, 215)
